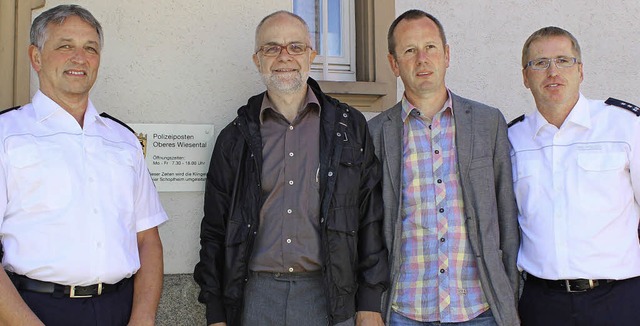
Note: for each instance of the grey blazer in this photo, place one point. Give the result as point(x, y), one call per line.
point(484, 165)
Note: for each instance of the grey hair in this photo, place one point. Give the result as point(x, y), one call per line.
point(57, 15)
point(550, 31)
point(280, 12)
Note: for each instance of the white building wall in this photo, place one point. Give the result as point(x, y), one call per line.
point(189, 62)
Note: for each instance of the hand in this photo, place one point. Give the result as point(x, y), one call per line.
point(139, 321)
point(369, 318)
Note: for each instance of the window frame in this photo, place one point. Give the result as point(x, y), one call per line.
point(15, 25)
point(375, 88)
point(338, 68)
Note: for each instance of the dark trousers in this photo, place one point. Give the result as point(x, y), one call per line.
point(615, 304)
point(109, 309)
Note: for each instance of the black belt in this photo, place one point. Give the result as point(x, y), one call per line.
point(24, 283)
point(288, 275)
point(577, 285)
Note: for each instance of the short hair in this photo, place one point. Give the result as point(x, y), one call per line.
point(57, 15)
point(280, 12)
point(549, 31)
point(412, 14)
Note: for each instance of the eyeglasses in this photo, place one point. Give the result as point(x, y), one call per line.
point(544, 63)
point(273, 50)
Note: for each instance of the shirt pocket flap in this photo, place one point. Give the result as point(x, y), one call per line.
point(602, 161)
point(24, 156)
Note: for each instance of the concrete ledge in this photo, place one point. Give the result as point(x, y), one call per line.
point(179, 302)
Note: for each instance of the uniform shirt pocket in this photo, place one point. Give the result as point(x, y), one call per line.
point(41, 177)
point(526, 184)
point(602, 180)
point(120, 176)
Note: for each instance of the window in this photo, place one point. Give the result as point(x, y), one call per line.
point(332, 27)
point(355, 69)
point(15, 22)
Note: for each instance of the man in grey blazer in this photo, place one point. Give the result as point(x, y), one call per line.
point(450, 214)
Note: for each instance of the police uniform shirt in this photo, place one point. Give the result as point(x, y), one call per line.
point(72, 199)
point(577, 190)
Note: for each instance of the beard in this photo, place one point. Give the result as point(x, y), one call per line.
point(286, 83)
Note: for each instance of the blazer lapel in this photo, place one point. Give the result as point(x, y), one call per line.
point(464, 134)
point(392, 139)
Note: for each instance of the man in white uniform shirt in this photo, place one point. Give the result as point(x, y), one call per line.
point(78, 209)
point(576, 166)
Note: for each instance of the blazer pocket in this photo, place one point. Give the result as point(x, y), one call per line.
point(481, 163)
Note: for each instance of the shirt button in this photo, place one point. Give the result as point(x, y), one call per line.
point(439, 181)
point(442, 270)
point(441, 210)
point(290, 269)
point(322, 220)
point(441, 239)
point(330, 174)
point(437, 151)
point(291, 154)
point(338, 134)
point(291, 182)
point(290, 127)
point(289, 211)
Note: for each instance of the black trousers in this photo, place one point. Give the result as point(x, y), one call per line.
point(615, 304)
point(109, 309)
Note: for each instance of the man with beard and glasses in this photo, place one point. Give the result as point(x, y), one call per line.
point(291, 233)
point(576, 168)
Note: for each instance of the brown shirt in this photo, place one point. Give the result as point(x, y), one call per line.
point(288, 238)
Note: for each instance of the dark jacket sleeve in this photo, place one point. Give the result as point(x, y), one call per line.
point(373, 268)
point(208, 271)
point(507, 209)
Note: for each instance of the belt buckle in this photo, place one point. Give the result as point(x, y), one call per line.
point(72, 292)
point(567, 284)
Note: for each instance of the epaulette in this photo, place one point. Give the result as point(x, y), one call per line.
point(627, 106)
point(516, 120)
point(9, 109)
point(105, 115)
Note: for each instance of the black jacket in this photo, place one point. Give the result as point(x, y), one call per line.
point(355, 268)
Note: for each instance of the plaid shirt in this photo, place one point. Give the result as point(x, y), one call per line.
point(438, 278)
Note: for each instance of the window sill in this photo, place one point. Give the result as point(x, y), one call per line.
point(364, 96)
